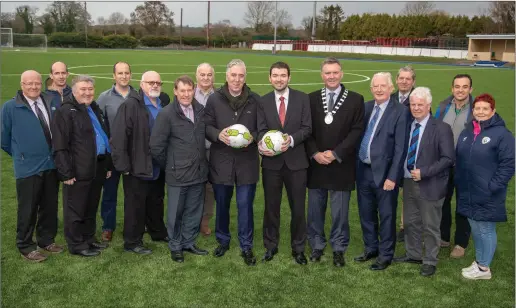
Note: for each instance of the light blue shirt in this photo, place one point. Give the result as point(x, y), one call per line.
point(336, 91)
point(421, 131)
point(382, 110)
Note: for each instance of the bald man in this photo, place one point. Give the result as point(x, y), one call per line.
point(26, 137)
point(205, 75)
point(143, 181)
point(56, 86)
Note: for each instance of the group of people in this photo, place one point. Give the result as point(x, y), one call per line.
point(333, 144)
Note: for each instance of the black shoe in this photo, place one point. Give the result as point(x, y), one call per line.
point(165, 239)
point(400, 237)
point(380, 266)
point(338, 259)
point(316, 255)
point(427, 270)
point(139, 250)
point(196, 250)
point(406, 259)
point(98, 246)
point(366, 256)
point(269, 254)
point(248, 257)
point(86, 253)
point(220, 251)
point(299, 257)
point(177, 256)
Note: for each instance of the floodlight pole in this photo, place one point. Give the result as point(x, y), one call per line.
point(313, 20)
point(208, 28)
point(86, 23)
point(181, 30)
point(275, 27)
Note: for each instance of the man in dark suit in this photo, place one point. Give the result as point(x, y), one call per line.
point(405, 80)
point(332, 149)
point(288, 111)
point(430, 155)
point(379, 171)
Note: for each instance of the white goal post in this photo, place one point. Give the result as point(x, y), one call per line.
point(22, 41)
point(6, 37)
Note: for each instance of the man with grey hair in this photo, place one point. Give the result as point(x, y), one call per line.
point(379, 171)
point(233, 103)
point(430, 155)
point(26, 137)
point(205, 75)
point(405, 80)
point(144, 183)
point(83, 159)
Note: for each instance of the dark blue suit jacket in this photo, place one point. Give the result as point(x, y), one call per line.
point(389, 144)
point(435, 157)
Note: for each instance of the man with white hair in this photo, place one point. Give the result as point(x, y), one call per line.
point(233, 103)
point(430, 155)
point(379, 171)
point(83, 159)
point(144, 183)
point(26, 137)
point(205, 75)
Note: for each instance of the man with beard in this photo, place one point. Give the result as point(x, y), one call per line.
point(26, 137)
point(178, 143)
point(205, 79)
point(56, 83)
point(233, 103)
point(109, 101)
point(337, 125)
point(288, 111)
point(83, 161)
point(379, 171)
point(143, 181)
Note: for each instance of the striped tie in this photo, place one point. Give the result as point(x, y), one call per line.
point(362, 153)
point(411, 156)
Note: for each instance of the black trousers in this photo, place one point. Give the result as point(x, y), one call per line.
point(80, 205)
point(295, 184)
point(462, 228)
point(37, 209)
point(143, 206)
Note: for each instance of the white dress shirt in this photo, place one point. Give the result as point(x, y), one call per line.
point(285, 95)
point(421, 130)
point(41, 106)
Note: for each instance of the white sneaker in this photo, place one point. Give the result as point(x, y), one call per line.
point(473, 266)
point(477, 274)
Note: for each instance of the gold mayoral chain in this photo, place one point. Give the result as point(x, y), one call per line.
point(328, 119)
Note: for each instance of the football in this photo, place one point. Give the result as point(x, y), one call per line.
point(239, 136)
point(273, 140)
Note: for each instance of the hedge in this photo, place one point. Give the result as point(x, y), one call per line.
point(78, 40)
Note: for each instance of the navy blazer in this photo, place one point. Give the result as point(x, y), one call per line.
point(435, 157)
point(389, 144)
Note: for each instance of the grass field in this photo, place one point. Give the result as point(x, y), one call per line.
point(118, 279)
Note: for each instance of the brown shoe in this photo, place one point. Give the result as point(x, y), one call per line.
point(205, 230)
point(53, 248)
point(457, 252)
point(106, 236)
point(35, 256)
point(445, 244)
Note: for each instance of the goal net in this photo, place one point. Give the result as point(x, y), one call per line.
point(6, 37)
point(21, 41)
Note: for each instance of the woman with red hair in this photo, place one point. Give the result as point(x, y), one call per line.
point(484, 167)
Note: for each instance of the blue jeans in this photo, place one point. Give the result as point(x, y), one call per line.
point(244, 200)
point(109, 199)
point(484, 238)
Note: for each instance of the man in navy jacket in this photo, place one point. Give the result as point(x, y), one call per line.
point(27, 139)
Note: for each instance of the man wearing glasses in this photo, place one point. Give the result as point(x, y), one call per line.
point(26, 137)
point(143, 181)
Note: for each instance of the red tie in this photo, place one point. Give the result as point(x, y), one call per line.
point(282, 110)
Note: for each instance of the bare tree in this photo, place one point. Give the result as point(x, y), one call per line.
point(28, 15)
point(117, 19)
point(153, 15)
point(259, 13)
point(284, 19)
point(418, 8)
point(502, 13)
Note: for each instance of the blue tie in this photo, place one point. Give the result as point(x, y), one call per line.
point(414, 140)
point(362, 153)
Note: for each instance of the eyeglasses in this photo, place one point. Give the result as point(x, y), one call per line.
point(32, 84)
point(380, 87)
point(154, 83)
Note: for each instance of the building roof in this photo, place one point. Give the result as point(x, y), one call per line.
point(492, 36)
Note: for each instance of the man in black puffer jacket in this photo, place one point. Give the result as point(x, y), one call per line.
point(82, 156)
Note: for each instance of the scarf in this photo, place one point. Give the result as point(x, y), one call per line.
point(476, 129)
point(236, 102)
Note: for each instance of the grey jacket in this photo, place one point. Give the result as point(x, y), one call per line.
point(178, 145)
point(109, 101)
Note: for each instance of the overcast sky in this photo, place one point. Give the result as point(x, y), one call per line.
point(195, 13)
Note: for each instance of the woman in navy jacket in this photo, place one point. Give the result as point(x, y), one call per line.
point(485, 165)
